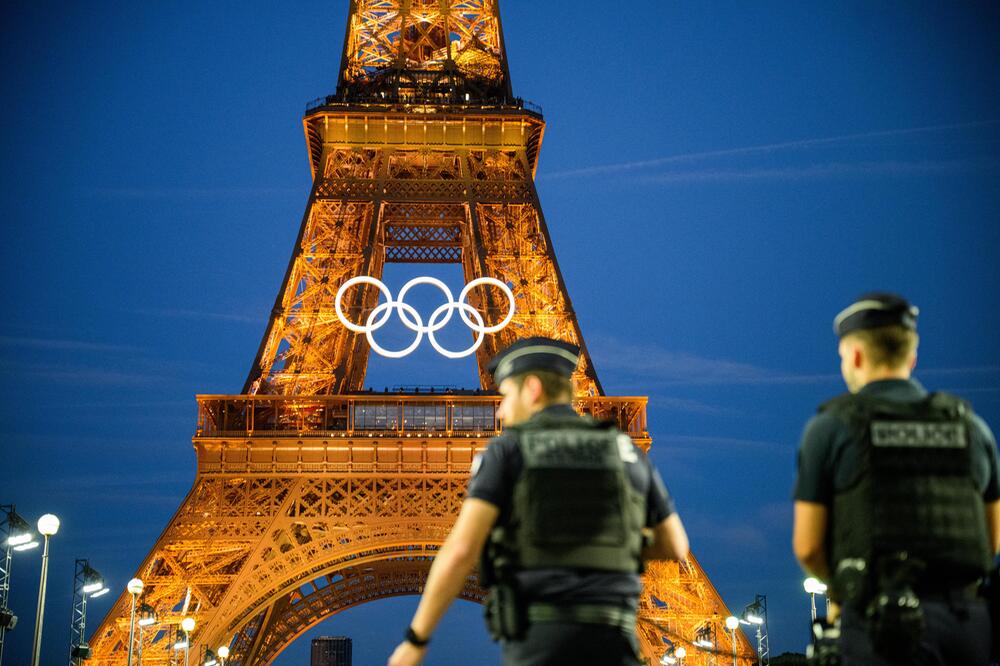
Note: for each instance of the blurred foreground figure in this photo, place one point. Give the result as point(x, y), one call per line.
point(563, 510)
point(896, 502)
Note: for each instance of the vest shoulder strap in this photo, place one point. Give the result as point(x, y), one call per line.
point(936, 406)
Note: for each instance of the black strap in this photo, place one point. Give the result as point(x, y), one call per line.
point(411, 637)
point(584, 614)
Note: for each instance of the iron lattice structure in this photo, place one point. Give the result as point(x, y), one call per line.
point(311, 495)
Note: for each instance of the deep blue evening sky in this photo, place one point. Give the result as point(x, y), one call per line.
point(719, 180)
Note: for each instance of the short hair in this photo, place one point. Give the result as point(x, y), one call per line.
point(554, 386)
point(888, 346)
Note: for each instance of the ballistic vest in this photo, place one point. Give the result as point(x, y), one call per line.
point(916, 491)
point(573, 505)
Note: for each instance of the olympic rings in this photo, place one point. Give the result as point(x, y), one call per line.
point(379, 316)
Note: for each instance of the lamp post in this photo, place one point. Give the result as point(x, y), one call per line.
point(147, 618)
point(680, 653)
point(48, 525)
point(187, 624)
point(814, 586)
point(223, 653)
point(733, 623)
point(134, 588)
point(17, 535)
point(87, 582)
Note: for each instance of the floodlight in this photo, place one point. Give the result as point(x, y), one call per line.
point(754, 619)
point(7, 619)
point(180, 645)
point(92, 580)
point(100, 593)
point(814, 585)
point(48, 525)
point(81, 651)
point(26, 546)
point(210, 659)
point(19, 531)
point(667, 659)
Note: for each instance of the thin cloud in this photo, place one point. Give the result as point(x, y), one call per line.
point(63, 345)
point(191, 193)
point(758, 149)
point(663, 367)
point(88, 376)
point(818, 171)
point(197, 314)
point(966, 370)
point(710, 444)
point(690, 406)
point(654, 366)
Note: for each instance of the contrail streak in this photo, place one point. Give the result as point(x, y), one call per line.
point(766, 148)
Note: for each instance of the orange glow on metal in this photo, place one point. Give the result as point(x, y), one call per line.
point(312, 495)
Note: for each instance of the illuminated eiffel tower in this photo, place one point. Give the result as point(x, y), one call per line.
point(313, 496)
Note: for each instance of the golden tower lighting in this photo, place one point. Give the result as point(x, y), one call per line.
point(310, 496)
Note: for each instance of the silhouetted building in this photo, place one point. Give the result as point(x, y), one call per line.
point(331, 651)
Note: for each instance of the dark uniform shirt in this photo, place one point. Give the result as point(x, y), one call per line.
point(830, 456)
point(494, 474)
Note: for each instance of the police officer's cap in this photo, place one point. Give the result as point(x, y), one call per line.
point(875, 310)
point(536, 353)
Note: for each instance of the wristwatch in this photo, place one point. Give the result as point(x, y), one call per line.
point(411, 637)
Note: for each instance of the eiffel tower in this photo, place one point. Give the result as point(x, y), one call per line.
point(312, 495)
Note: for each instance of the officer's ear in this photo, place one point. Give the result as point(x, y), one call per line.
point(534, 388)
point(853, 351)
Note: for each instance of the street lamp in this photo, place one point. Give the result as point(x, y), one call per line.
point(134, 588)
point(17, 535)
point(147, 618)
point(732, 624)
point(223, 653)
point(87, 582)
point(680, 653)
point(187, 624)
point(48, 525)
point(813, 586)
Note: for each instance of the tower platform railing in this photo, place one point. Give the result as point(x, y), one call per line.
point(386, 415)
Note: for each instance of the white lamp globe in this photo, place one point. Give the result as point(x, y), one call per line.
point(135, 586)
point(223, 651)
point(732, 622)
point(814, 586)
point(187, 624)
point(680, 652)
point(48, 524)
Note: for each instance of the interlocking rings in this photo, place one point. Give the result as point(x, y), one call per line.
point(412, 320)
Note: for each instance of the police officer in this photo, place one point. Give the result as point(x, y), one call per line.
point(567, 509)
point(896, 501)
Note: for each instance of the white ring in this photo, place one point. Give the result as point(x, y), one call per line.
point(403, 352)
point(461, 307)
point(379, 316)
point(362, 279)
point(496, 283)
point(431, 281)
